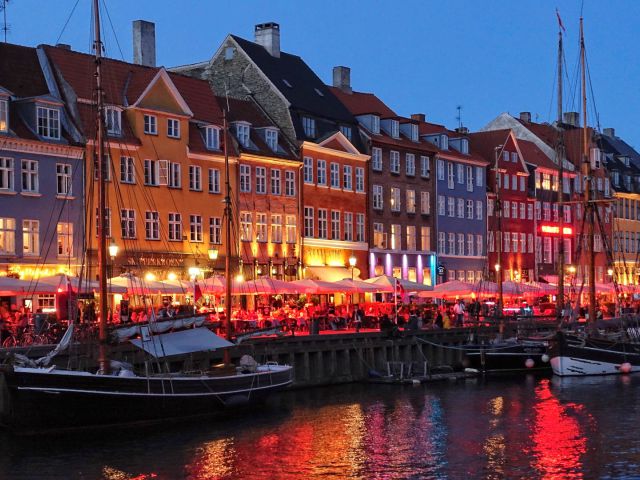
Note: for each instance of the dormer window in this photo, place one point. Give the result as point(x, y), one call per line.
point(4, 115)
point(48, 122)
point(346, 131)
point(309, 126)
point(414, 132)
point(395, 129)
point(212, 138)
point(242, 134)
point(444, 142)
point(271, 137)
point(464, 146)
point(112, 119)
point(173, 128)
point(616, 178)
point(375, 124)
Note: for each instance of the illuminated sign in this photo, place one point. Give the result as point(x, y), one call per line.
point(554, 229)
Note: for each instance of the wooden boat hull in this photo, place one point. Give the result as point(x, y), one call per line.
point(508, 358)
point(32, 400)
point(573, 355)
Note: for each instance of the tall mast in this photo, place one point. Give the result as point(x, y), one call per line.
point(227, 257)
point(587, 173)
point(102, 171)
point(560, 160)
point(498, 266)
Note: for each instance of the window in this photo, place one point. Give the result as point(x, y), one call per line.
point(556, 213)
point(411, 201)
point(514, 210)
point(566, 213)
point(479, 176)
point(460, 244)
point(505, 156)
point(322, 223)
point(215, 230)
point(479, 210)
point(450, 175)
point(309, 127)
point(479, 245)
point(195, 228)
point(506, 212)
point(151, 172)
point(48, 122)
point(440, 169)
point(128, 223)
point(506, 181)
point(396, 240)
point(378, 199)
point(261, 227)
point(150, 125)
point(375, 124)
point(173, 128)
point(348, 226)
point(425, 203)
point(461, 208)
point(63, 179)
point(290, 183)
point(291, 228)
point(530, 211)
point(410, 167)
point(538, 211)
point(506, 241)
point(242, 134)
point(460, 173)
point(425, 238)
point(395, 129)
point(470, 209)
point(523, 213)
point(322, 172)
point(335, 225)
point(346, 131)
point(347, 177)
point(411, 237)
point(4, 115)
point(112, 120)
point(246, 226)
point(376, 159)
point(547, 250)
point(514, 183)
point(425, 167)
point(214, 180)
point(567, 250)
point(489, 207)
point(546, 208)
point(152, 225)
point(65, 239)
point(261, 180)
point(127, 170)
point(195, 177)
point(175, 175)
point(360, 227)
point(175, 227)
point(275, 182)
point(394, 199)
point(470, 244)
point(360, 179)
point(523, 243)
point(212, 138)
point(308, 170)
point(394, 159)
point(6, 174)
point(490, 241)
point(30, 176)
point(441, 205)
point(451, 206)
point(276, 228)
point(308, 222)
point(546, 181)
point(334, 173)
point(530, 245)
point(379, 240)
point(522, 187)
point(469, 179)
point(271, 137)
point(441, 243)
point(514, 242)
point(7, 236)
point(451, 237)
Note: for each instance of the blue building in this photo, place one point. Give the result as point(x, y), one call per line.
point(41, 173)
point(461, 201)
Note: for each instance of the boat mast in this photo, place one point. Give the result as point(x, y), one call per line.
point(587, 173)
point(560, 198)
point(227, 257)
point(498, 266)
point(102, 171)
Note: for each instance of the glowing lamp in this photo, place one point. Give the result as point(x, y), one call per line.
point(571, 269)
point(529, 363)
point(610, 271)
point(113, 250)
point(497, 267)
point(194, 271)
point(352, 261)
point(274, 270)
point(172, 276)
point(239, 278)
point(213, 253)
point(149, 277)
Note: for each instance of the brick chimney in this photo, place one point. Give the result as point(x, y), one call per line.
point(572, 118)
point(268, 35)
point(342, 79)
point(64, 46)
point(420, 117)
point(609, 132)
point(525, 117)
point(144, 43)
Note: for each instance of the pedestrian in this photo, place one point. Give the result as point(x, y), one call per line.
point(458, 311)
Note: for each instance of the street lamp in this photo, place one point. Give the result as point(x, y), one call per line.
point(213, 254)
point(113, 250)
point(352, 264)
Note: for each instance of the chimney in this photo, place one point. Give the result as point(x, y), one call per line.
point(609, 132)
point(64, 46)
point(419, 117)
point(572, 118)
point(462, 130)
point(144, 43)
point(268, 35)
point(525, 117)
point(342, 79)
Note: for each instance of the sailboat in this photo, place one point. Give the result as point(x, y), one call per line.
point(37, 396)
point(589, 352)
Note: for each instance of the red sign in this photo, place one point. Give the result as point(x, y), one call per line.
point(554, 229)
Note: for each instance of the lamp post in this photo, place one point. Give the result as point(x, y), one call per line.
point(113, 253)
point(352, 264)
point(500, 299)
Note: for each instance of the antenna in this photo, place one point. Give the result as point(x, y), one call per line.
point(5, 26)
point(459, 116)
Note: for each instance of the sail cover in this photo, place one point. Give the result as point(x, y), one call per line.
point(179, 343)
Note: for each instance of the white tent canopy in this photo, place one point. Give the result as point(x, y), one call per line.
point(181, 342)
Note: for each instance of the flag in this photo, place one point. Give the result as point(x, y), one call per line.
point(560, 21)
point(197, 294)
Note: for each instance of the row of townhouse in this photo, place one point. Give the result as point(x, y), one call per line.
point(326, 182)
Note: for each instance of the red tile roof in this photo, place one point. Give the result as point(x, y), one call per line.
point(484, 143)
point(534, 156)
point(361, 103)
point(20, 71)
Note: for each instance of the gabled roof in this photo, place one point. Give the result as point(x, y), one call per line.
point(361, 103)
point(163, 76)
point(305, 84)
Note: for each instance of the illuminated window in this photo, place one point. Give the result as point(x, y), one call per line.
point(7, 236)
point(261, 227)
point(246, 227)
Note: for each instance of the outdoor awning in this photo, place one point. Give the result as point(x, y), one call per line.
point(330, 274)
point(180, 343)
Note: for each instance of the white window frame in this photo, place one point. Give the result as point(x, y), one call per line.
point(334, 175)
point(196, 234)
point(127, 223)
point(347, 177)
point(214, 180)
point(151, 225)
point(7, 174)
point(7, 236)
point(150, 124)
point(173, 128)
point(113, 120)
point(359, 179)
point(30, 237)
point(289, 183)
point(394, 161)
point(30, 178)
point(64, 176)
point(175, 227)
point(48, 122)
point(376, 159)
point(245, 178)
point(410, 164)
point(276, 181)
point(127, 170)
point(195, 178)
point(425, 166)
point(212, 137)
point(308, 170)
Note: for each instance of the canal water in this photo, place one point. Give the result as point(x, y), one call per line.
point(523, 427)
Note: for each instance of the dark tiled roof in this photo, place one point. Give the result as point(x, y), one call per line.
point(484, 143)
point(20, 71)
point(361, 103)
point(534, 156)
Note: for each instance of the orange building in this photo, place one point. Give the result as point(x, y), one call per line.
point(166, 164)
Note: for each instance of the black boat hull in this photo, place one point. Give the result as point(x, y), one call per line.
point(36, 402)
point(574, 355)
point(508, 358)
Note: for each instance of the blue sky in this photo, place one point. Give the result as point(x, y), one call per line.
point(418, 56)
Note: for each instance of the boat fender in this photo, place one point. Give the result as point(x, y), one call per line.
point(415, 382)
point(471, 370)
point(544, 358)
point(529, 363)
point(625, 367)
